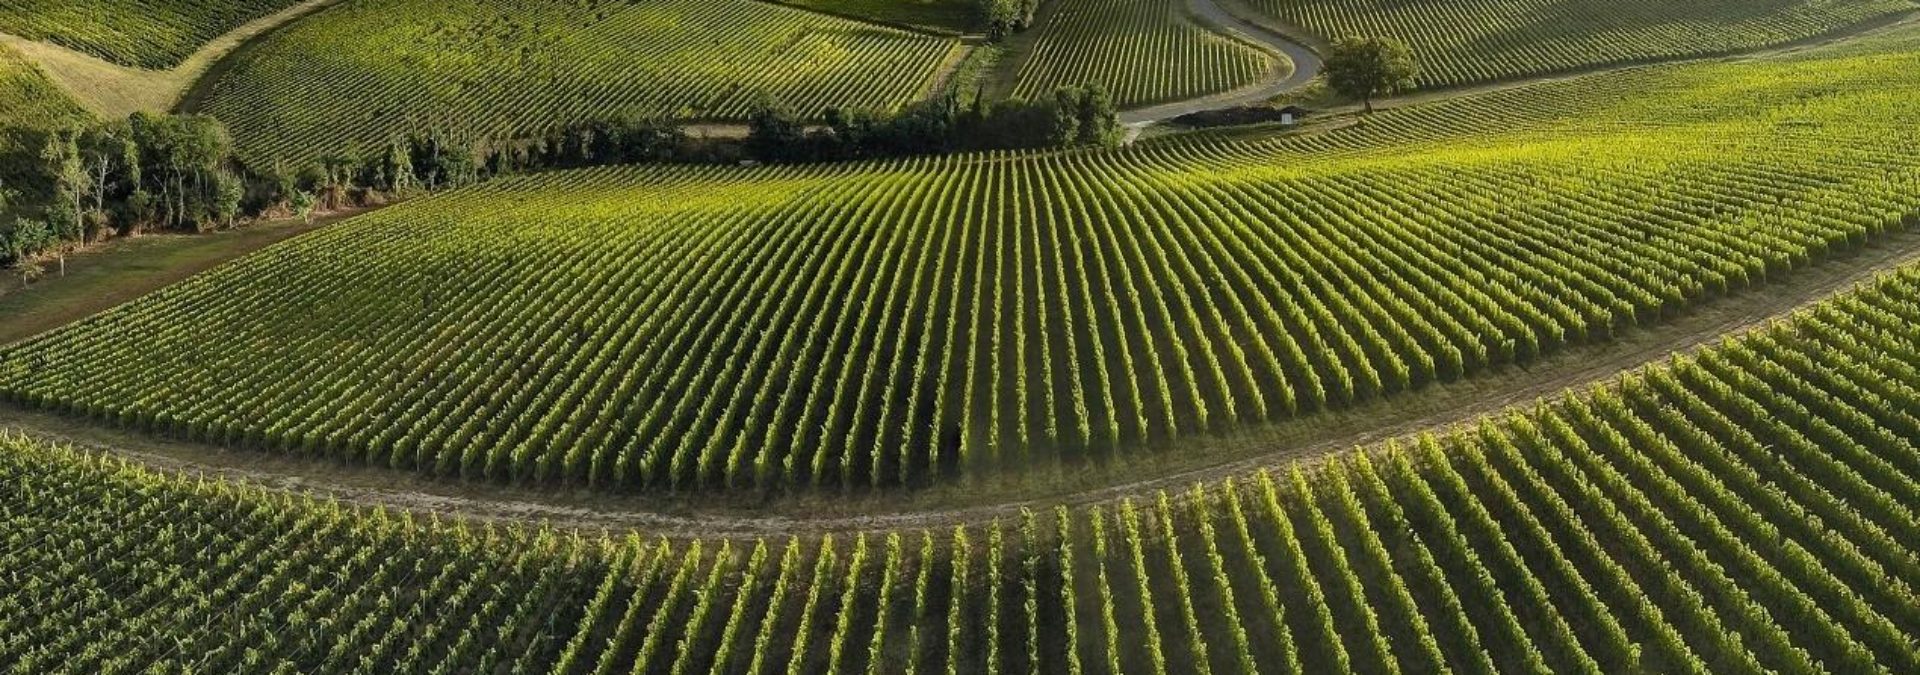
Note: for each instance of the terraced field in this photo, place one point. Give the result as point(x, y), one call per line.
point(154, 34)
point(365, 72)
point(894, 324)
point(1141, 51)
point(1485, 40)
point(1748, 508)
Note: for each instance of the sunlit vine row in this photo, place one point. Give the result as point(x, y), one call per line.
point(1749, 507)
point(1460, 43)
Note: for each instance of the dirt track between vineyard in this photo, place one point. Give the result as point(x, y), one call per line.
point(1271, 445)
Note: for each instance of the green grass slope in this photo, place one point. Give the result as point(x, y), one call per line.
point(1746, 509)
point(1141, 51)
point(900, 323)
point(1484, 40)
point(154, 34)
point(367, 71)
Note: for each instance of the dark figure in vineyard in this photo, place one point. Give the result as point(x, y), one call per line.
point(1363, 68)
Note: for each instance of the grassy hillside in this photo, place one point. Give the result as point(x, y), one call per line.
point(1483, 40)
point(155, 34)
point(1142, 51)
point(1747, 509)
point(895, 323)
point(369, 70)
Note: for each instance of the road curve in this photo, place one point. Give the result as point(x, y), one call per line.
point(1306, 67)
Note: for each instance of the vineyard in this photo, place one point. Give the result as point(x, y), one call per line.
point(1141, 51)
point(1485, 40)
point(892, 324)
point(153, 34)
point(363, 73)
point(1744, 509)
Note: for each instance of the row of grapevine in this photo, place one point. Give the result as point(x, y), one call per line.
point(1749, 507)
point(896, 323)
point(1485, 40)
point(360, 74)
point(1140, 51)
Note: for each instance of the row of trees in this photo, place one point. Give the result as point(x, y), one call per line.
point(178, 172)
point(144, 172)
point(1070, 117)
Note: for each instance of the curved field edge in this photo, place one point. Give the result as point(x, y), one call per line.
point(112, 91)
point(1502, 392)
point(1806, 213)
point(1517, 40)
point(143, 34)
point(1775, 475)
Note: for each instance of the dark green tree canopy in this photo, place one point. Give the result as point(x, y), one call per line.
point(1366, 67)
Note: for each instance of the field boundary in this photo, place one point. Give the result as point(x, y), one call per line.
point(114, 91)
point(258, 235)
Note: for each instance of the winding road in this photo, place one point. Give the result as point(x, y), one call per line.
point(1305, 67)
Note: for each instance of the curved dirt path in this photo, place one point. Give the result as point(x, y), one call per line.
point(1278, 444)
point(1306, 67)
point(113, 91)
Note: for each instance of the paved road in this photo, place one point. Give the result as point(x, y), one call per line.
point(1306, 66)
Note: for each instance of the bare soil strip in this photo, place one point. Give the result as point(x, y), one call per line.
point(1196, 461)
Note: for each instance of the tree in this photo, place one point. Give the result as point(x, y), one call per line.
point(72, 182)
point(774, 133)
point(1099, 122)
point(1064, 113)
point(999, 17)
point(1365, 67)
point(112, 162)
point(302, 203)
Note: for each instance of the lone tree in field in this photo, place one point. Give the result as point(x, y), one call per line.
point(1365, 67)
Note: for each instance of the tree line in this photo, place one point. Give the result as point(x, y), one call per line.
point(1069, 117)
